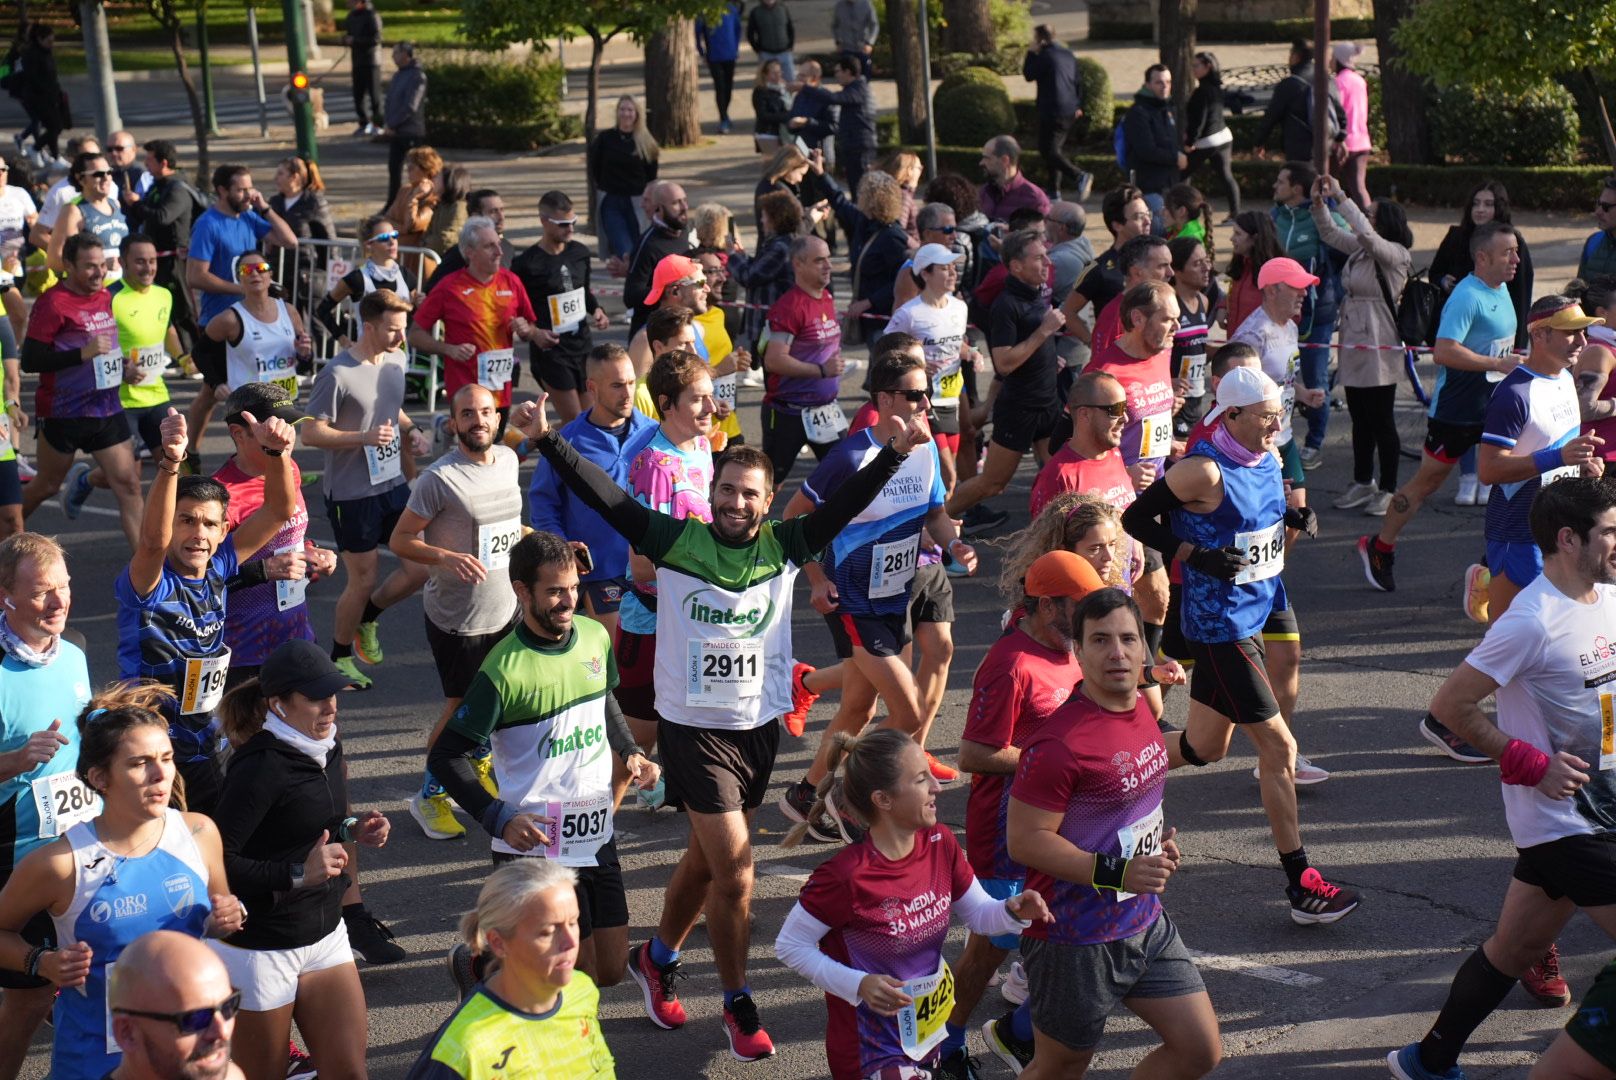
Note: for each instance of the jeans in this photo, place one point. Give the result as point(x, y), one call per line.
point(788, 66)
point(620, 223)
point(1316, 375)
point(1374, 430)
point(367, 82)
point(723, 72)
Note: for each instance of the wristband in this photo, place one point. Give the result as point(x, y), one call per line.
point(345, 830)
point(1109, 870)
point(1522, 764)
point(31, 965)
point(1547, 459)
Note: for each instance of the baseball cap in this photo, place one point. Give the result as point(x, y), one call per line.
point(670, 271)
point(263, 400)
point(1243, 386)
point(302, 666)
point(1061, 573)
point(935, 255)
point(1284, 271)
point(1566, 316)
point(1345, 52)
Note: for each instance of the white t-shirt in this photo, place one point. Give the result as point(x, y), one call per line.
point(941, 330)
point(1281, 360)
point(1554, 660)
point(15, 207)
point(56, 199)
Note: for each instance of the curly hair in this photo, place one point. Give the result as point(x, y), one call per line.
point(1062, 522)
point(955, 192)
point(880, 198)
point(426, 159)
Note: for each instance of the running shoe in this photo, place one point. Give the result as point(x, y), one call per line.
point(1317, 901)
point(797, 804)
point(849, 829)
point(370, 938)
point(1467, 489)
point(1306, 772)
point(25, 469)
point(1475, 592)
point(802, 699)
point(484, 767)
point(1378, 504)
point(462, 969)
point(1085, 184)
point(1405, 1065)
point(299, 1066)
point(367, 644)
point(1355, 496)
point(943, 774)
point(1377, 564)
point(747, 1039)
point(435, 816)
point(952, 566)
point(656, 983)
point(1311, 457)
point(752, 377)
point(981, 519)
point(653, 799)
point(358, 679)
point(956, 1066)
point(1014, 988)
point(1543, 980)
point(1484, 492)
point(1002, 1041)
point(1450, 744)
point(75, 490)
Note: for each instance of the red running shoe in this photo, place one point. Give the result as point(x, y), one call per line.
point(802, 699)
point(1542, 980)
point(656, 983)
point(747, 1039)
point(943, 774)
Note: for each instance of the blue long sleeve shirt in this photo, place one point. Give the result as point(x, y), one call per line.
point(720, 41)
point(553, 507)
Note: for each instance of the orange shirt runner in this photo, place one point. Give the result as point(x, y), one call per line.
point(479, 314)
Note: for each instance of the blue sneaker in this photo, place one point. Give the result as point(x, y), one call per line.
point(654, 798)
point(76, 490)
point(1405, 1065)
point(952, 566)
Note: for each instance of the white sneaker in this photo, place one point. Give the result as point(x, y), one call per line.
point(1483, 493)
point(1014, 988)
point(753, 377)
point(1306, 772)
point(1378, 504)
point(1355, 496)
point(1467, 489)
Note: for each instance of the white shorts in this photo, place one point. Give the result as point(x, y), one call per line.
point(267, 978)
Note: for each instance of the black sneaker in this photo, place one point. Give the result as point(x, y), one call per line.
point(1001, 1039)
point(370, 938)
point(1317, 901)
point(1377, 564)
point(1450, 744)
point(462, 969)
point(956, 1066)
point(981, 519)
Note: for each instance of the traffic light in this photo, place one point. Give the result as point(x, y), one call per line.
point(300, 87)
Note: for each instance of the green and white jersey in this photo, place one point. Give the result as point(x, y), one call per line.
point(543, 707)
point(723, 622)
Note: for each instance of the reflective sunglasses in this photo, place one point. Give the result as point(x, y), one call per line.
point(562, 223)
point(192, 1021)
point(946, 230)
point(246, 270)
point(1115, 410)
point(382, 238)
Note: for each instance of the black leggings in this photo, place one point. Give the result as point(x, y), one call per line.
point(1052, 134)
point(1220, 155)
point(1374, 428)
point(367, 82)
point(723, 84)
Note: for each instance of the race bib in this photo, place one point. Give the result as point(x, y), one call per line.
point(723, 672)
point(724, 390)
point(950, 386)
point(494, 368)
point(1195, 375)
point(62, 799)
point(566, 311)
point(1265, 553)
point(824, 423)
point(1561, 473)
point(494, 543)
point(1607, 731)
point(204, 683)
point(282, 371)
point(150, 361)
point(1500, 347)
point(290, 594)
point(579, 828)
point(1142, 837)
point(1155, 436)
point(108, 371)
point(892, 567)
point(921, 1026)
point(384, 462)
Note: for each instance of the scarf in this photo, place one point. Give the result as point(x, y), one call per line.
point(286, 733)
point(24, 653)
point(1231, 448)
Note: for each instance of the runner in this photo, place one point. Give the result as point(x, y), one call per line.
point(1198, 296)
point(135, 849)
point(44, 683)
point(719, 734)
point(535, 1011)
point(1085, 818)
point(1583, 1050)
point(869, 926)
point(803, 364)
point(1126, 215)
point(173, 1011)
point(93, 210)
point(1221, 512)
point(380, 270)
point(725, 358)
point(171, 596)
point(1144, 258)
point(1550, 741)
point(611, 434)
point(542, 696)
point(555, 273)
point(862, 584)
point(1090, 461)
point(463, 519)
point(72, 344)
point(356, 415)
point(263, 336)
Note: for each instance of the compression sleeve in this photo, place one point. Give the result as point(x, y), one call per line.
point(797, 946)
point(1146, 518)
point(599, 492)
point(618, 735)
point(38, 358)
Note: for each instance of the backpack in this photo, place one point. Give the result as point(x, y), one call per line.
point(1334, 130)
point(1418, 311)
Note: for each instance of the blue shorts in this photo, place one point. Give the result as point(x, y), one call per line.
point(1520, 562)
point(366, 523)
point(1003, 889)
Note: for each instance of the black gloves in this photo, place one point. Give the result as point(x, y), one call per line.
point(1303, 519)
point(1221, 563)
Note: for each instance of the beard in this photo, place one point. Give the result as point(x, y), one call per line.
point(555, 623)
point(476, 441)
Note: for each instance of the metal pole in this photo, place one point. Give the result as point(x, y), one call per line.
point(925, 66)
point(208, 114)
point(258, 70)
point(1321, 86)
point(297, 57)
point(98, 61)
point(561, 58)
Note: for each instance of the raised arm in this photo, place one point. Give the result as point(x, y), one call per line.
point(589, 481)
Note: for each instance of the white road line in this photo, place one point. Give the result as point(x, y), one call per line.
point(785, 870)
point(1239, 965)
point(99, 511)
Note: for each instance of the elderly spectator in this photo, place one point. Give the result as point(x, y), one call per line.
point(1007, 189)
point(405, 114)
point(1069, 249)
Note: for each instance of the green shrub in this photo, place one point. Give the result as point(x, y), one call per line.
point(1377, 113)
point(1535, 128)
point(971, 113)
point(484, 101)
point(970, 76)
point(1099, 104)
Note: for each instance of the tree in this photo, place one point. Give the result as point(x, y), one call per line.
point(1177, 50)
point(671, 110)
point(914, 90)
point(1511, 46)
point(967, 27)
point(172, 16)
point(1404, 96)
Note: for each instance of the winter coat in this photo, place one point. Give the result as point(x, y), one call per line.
point(1364, 317)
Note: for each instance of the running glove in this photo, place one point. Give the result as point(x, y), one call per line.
point(1304, 519)
point(1222, 563)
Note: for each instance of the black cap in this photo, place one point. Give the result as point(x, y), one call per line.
point(263, 400)
point(302, 666)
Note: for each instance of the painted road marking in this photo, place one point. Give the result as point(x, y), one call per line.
point(785, 870)
point(1239, 965)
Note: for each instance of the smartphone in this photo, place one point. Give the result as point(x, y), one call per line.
point(586, 562)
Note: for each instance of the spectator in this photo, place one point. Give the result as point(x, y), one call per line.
point(300, 199)
point(1291, 109)
point(412, 203)
point(484, 202)
point(362, 34)
point(785, 170)
point(1069, 249)
point(854, 27)
point(41, 96)
point(1206, 133)
point(1060, 105)
point(623, 163)
point(906, 169)
point(1453, 262)
point(666, 235)
point(1007, 189)
point(405, 115)
point(771, 106)
point(768, 275)
point(1599, 250)
point(449, 213)
point(721, 45)
point(855, 128)
point(1253, 242)
point(1150, 131)
point(877, 242)
point(772, 36)
point(813, 116)
point(167, 210)
point(1355, 109)
point(1293, 220)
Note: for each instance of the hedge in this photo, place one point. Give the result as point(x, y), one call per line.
point(1261, 32)
point(486, 102)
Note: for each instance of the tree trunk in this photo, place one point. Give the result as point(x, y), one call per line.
point(1606, 137)
point(597, 49)
point(1178, 48)
point(914, 92)
point(199, 123)
point(1403, 95)
point(670, 84)
point(968, 26)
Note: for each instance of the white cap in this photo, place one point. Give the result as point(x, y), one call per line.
point(1243, 386)
point(935, 255)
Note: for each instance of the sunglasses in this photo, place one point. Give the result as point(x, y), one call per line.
point(913, 397)
point(700, 283)
point(120, 149)
point(192, 1021)
point(1115, 410)
point(1607, 207)
point(559, 222)
point(946, 230)
point(248, 269)
point(99, 174)
point(383, 238)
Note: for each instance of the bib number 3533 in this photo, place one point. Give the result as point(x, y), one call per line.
point(383, 463)
point(921, 1026)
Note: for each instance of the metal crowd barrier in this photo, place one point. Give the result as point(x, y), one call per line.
point(309, 271)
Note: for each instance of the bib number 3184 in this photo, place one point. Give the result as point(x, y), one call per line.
point(1265, 553)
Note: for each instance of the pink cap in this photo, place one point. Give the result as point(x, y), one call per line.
point(1284, 272)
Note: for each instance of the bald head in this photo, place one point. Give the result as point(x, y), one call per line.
point(1069, 220)
point(167, 973)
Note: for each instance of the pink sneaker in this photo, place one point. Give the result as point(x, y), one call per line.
point(656, 983)
point(747, 1039)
